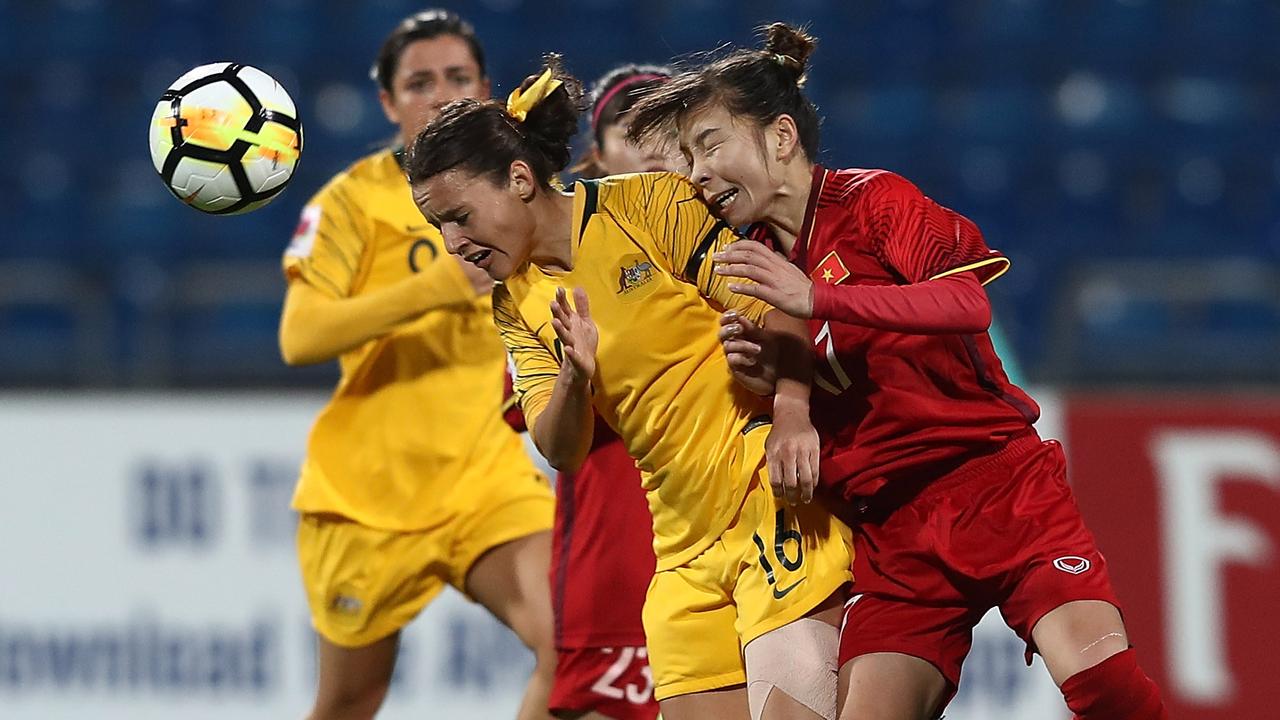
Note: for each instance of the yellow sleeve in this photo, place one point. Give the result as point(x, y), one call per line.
point(444, 284)
point(327, 247)
point(536, 368)
point(317, 326)
point(686, 235)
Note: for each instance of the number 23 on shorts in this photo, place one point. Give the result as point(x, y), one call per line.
point(785, 541)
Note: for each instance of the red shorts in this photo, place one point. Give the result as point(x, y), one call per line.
point(1001, 531)
point(613, 681)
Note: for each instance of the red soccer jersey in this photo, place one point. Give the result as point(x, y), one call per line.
point(602, 551)
point(891, 405)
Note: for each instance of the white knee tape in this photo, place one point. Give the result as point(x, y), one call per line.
point(798, 660)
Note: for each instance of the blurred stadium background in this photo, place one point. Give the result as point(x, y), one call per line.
point(1124, 153)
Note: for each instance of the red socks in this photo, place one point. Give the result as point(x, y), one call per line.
point(1114, 689)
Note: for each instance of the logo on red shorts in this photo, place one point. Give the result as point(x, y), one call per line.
point(1073, 564)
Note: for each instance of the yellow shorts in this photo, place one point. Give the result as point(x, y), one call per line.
point(363, 583)
point(772, 566)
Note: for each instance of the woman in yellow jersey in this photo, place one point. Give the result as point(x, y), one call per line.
point(602, 549)
point(740, 616)
point(412, 480)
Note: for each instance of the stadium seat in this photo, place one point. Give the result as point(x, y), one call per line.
point(55, 325)
point(983, 104)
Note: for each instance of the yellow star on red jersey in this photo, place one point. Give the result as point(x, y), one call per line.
point(831, 270)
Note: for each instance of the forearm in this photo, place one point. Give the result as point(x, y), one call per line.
point(315, 327)
point(956, 304)
point(794, 364)
point(562, 431)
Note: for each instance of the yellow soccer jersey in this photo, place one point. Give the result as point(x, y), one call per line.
point(414, 429)
point(642, 246)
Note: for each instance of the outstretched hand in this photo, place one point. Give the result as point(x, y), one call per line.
point(775, 280)
point(577, 333)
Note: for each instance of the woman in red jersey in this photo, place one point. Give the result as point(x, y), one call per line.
point(602, 548)
point(927, 449)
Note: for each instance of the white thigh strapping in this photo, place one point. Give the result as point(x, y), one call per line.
point(798, 659)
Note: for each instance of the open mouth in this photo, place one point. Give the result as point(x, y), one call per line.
point(725, 199)
point(478, 256)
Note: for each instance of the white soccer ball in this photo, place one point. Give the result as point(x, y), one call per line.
point(225, 138)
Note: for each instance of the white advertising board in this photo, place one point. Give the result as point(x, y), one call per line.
point(148, 571)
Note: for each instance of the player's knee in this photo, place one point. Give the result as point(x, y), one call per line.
point(798, 660)
point(1113, 689)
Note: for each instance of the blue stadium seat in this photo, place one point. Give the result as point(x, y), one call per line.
point(931, 90)
point(55, 326)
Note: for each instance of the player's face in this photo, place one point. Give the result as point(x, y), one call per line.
point(728, 162)
point(618, 155)
point(431, 74)
point(484, 223)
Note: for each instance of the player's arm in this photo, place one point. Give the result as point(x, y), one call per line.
point(792, 447)
point(954, 303)
point(317, 326)
point(778, 363)
point(939, 254)
point(321, 319)
point(563, 431)
point(947, 305)
point(555, 396)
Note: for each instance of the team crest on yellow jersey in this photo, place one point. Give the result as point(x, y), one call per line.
point(636, 277)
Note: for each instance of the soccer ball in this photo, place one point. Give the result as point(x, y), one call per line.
point(225, 138)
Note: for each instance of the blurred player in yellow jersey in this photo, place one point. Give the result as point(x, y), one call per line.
point(740, 617)
point(412, 480)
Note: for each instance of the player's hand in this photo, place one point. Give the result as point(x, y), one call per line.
point(776, 280)
point(480, 280)
point(792, 454)
point(578, 334)
point(752, 354)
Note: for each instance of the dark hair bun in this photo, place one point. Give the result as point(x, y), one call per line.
point(789, 46)
point(551, 124)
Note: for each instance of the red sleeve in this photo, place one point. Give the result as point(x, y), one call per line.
point(955, 304)
point(918, 238)
point(511, 404)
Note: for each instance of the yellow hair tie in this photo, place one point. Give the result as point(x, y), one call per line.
point(519, 102)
